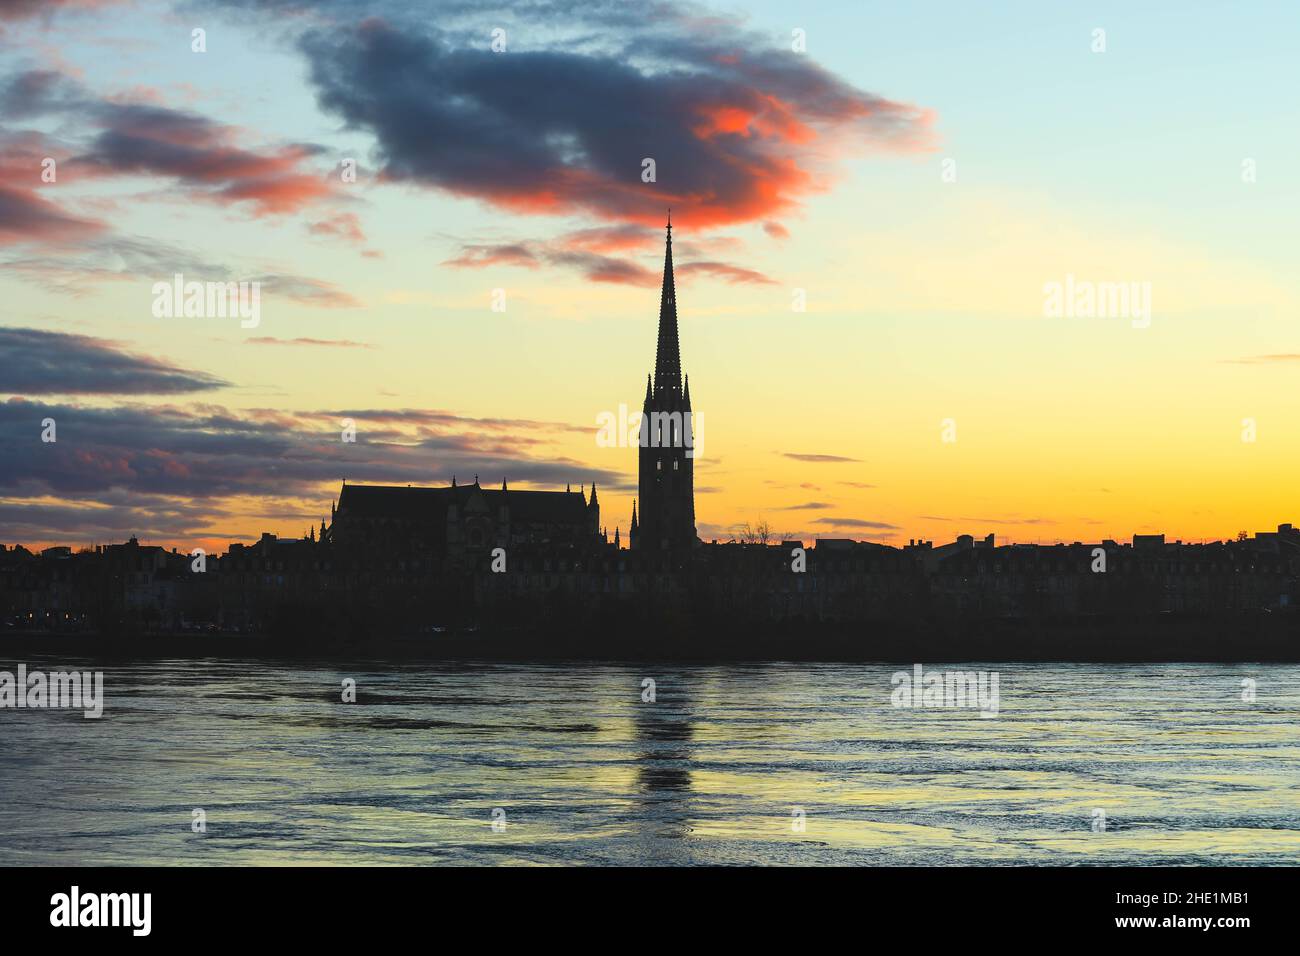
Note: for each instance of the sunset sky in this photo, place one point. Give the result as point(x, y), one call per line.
point(1167, 159)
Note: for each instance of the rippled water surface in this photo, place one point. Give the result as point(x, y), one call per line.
point(712, 772)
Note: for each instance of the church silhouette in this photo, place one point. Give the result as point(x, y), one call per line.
point(467, 519)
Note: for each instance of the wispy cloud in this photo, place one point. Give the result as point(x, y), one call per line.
point(587, 252)
point(325, 343)
point(1278, 358)
point(723, 271)
point(825, 459)
point(856, 523)
point(308, 291)
point(204, 157)
point(36, 362)
point(22, 9)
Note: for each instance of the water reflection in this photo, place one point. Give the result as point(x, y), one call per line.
point(1187, 772)
point(664, 731)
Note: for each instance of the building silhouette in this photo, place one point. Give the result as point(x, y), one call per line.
point(431, 524)
point(666, 464)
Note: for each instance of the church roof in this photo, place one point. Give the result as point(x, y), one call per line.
point(394, 501)
point(417, 503)
point(541, 506)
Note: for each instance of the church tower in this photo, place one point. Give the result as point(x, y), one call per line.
point(666, 478)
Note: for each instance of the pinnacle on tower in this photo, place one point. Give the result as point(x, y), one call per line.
point(668, 359)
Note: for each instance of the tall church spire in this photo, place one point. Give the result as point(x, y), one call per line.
point(665, 466)
point(668, 359)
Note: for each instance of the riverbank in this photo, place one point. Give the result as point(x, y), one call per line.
point(1265, 637)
